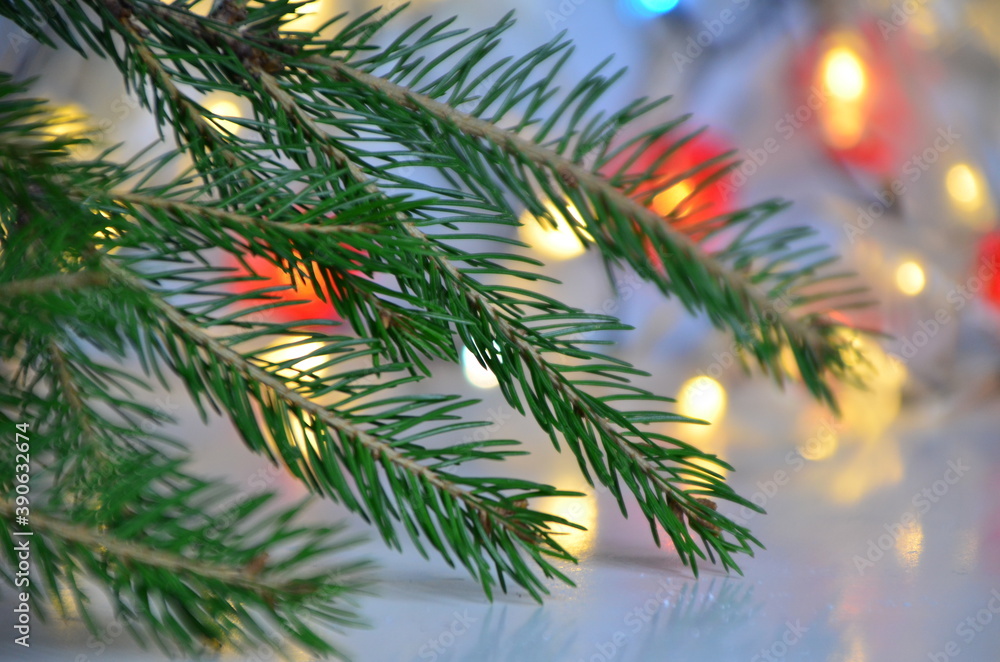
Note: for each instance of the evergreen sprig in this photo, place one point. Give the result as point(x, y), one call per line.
point(362, 172)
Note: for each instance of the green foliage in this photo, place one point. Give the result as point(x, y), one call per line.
point(362, 172)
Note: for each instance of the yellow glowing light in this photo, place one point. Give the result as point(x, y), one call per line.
point(853, 348)
point(309, 17)
point(559, 243)
point(820, 447)
point(872, 466)
point(924, 26)
point(667, 201)
point(475, 373)
point(843, 123)
point(965, 187)
point(302, 365)
point(868, 412)
point(67, 121)
point(844, 73)
point(910, 278)
point(106, 234)
point(579, 510)
point(702, 398)
point(224, 107)
point(201, 8)
point(910, 545)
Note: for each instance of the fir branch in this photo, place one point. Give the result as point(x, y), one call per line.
point(52, 283)
point(319, 104)
point(501, 530)
point(259, 582)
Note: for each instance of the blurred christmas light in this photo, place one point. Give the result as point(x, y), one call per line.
point(68, 121)
point(690, 195)
point(668, 201)
point(844, 73)
point(475, 373)
point(651, 8)
point(988, 257)
point(868, 412)
point(852, 80)
point(308, 304)
point(820, 447)
point(558, 243)
point(843, 124)
point(910, 278)
point(107, 234)
point(302, 364)
point(702, 398)
point(965, 186)
point(223, 106)
point(310, 17)
point(579, 510)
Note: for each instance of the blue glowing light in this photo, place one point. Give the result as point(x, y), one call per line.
point(653, 7)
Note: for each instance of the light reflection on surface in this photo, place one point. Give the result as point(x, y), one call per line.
point(910, 545)
point(872, 466)
point(967, 553)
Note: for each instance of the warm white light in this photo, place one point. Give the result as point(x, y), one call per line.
point(224, 107)
point(964, 187)
point(579, 510)
point(910, 278)
point(843, 123)
point(702, 398)
point(819, 448)
point(299, 370)
point(559, 243)
point(844, 73)
point(476, 374)
point(666, 202)
point(308, 17)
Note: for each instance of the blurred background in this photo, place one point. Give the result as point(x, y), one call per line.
point(880, 121)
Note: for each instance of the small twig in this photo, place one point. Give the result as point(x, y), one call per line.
point(78, 280)
point(124, 549)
